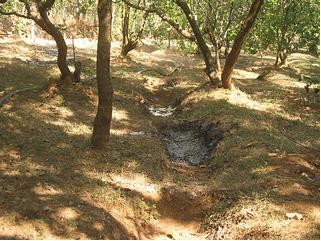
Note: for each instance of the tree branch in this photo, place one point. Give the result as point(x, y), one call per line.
point(158, 12)
point(15, 14)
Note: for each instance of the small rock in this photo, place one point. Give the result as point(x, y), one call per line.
point(296, 216)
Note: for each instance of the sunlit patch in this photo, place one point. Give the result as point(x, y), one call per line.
point(294, 189)
point(264, 170)
point(120, 114)
point(63, 112)
point(138, 183)
point(237, 97)
point(47, 189)
point(12, 173)
point(14, 154)
point(119, 132)
point(243, 74)
point(72, 128)
point(67, 213)
point(285, 81)
point(98, 226)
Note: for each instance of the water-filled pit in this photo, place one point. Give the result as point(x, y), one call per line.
point(192, 142)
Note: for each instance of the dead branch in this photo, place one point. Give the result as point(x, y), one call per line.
point(263, 74)
point(282, 131)
point(177, 68)
point(8, 96)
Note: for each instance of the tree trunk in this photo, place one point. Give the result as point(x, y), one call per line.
point(45, 23)
point(103, 118)
point(211, 68)
point(127, 43)
point(227, 48)
point(238, 42)
point(125, 29)
point(283, 57)
point(130, 42)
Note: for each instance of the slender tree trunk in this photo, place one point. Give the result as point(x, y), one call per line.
point(45, 23)
point(227, 48)
point(283, 57)
point(217, 56)
point(103, 118)
point(277, 58)
point(130, 42)
point(211, 68)
point(238, 43)
point(125, 29)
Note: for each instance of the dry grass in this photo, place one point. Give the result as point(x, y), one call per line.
point(54, 186)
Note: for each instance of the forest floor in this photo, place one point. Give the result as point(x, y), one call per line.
point(261, 181)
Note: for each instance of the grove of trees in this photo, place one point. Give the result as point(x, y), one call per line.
point(215, 29)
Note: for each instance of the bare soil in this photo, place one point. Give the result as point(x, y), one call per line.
point(260, 181)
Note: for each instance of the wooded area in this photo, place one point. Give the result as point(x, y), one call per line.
point(159, 119)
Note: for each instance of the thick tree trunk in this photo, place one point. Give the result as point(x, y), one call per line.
point(238, 43)
point(211, 68)
point(103, 118)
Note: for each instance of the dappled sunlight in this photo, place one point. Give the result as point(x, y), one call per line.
point(139, 183)
point(55, 186)
point(240, 98)
point(119, 114)
point(119, 132)
point(243, 74)
point(71, 128)
point(286, 82)
point(46, 189)
point(60, 111)
point(67, 213)
point(235, 97)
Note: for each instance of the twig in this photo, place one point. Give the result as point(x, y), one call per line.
point(295, 141)
point(5, 98)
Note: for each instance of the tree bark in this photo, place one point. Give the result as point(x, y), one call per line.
point(283, 57)
point(130, 42)
point(103, 117)
point(66, 75)
point(211, 68)
point(238, 43)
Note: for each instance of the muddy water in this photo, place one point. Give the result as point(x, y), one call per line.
point(161, 111)
point(192, 143)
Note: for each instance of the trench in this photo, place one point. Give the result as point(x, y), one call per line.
point(192, 143)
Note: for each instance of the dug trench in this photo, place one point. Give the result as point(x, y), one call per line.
point(190, 145)
point(187, 142)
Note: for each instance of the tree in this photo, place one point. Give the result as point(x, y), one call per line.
point(103, 117)
point(211, 68)
point(238, 43)
point(197, 36)
point(130, 39)
point(37, 10)
point(285, 26)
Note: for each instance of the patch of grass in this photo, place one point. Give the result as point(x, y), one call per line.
point(147, 210)
point(72, 223)
point(40, 233)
